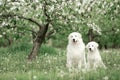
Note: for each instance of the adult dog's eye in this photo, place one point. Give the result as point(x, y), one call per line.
point(71, 36)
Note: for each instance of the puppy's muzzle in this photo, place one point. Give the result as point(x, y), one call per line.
point(90, 49)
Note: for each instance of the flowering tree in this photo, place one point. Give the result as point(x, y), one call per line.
point(44, 17)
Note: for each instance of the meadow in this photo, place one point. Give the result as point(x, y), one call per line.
point(51, 65)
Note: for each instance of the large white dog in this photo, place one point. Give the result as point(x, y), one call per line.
point(75, 51)
point(94, 59)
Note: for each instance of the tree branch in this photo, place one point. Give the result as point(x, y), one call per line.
point(45, 12)
point(22, 17)
point(50, 33)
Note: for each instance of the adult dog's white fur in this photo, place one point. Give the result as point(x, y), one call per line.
point(94, 59)
point(75, 51)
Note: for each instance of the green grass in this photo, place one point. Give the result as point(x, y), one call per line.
point(50, 65)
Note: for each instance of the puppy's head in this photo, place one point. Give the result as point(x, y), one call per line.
point(74, 37)
point(92, 46)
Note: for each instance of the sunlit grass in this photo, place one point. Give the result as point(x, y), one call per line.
point(15, 66)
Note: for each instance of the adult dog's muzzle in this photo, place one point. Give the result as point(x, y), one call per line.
point(74, 40)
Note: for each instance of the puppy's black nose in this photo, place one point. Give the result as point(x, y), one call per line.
point(90, 49)
point(73, 40)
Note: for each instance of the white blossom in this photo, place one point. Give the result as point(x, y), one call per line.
point(77, 3)
point(51, 8)
point(36, 0)
point(54, 1)
point(1, 3)
point(106, 78)
point(116, 1)
point(0, 36)
point(4, 32)
point(3, 23)
point(34, 77)
point(95, 27)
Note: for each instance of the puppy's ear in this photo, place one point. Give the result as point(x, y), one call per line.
point(96, 44)
point(69, 36)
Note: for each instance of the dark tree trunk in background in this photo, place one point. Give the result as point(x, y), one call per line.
point(8, 42)
point(90, 34)
point(105, 46)
point(38, 42)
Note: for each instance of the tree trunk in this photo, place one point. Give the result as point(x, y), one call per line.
point(34, 51)
point(90, 34)
point(38, 42)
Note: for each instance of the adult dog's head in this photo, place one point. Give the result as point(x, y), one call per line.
point(74, 38)
point(92, 46)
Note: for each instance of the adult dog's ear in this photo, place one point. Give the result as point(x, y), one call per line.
point(86, 46)
point(80, 36)
point(69, 36)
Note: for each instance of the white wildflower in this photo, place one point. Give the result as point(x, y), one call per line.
point(89, 8)
point(11, 28)
point(46, 54)
point(37, 61)
point(115, 65)
point(118, 6)
point(61, 74)
point(106, 78)
point(118, 30)
point(0, 36)
point(23, 66)
point(45, 72)
point(4, 32)
point(34, 77)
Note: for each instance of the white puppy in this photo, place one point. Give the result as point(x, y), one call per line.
point(75, 51)
point(93, 56)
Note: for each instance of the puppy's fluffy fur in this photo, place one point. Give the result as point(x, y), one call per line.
point(75, 51)
point(94, 59)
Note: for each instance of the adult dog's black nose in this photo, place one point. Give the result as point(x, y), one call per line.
point(73, 40)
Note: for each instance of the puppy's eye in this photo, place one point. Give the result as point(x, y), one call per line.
point(92, 45)
point(75, 35)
